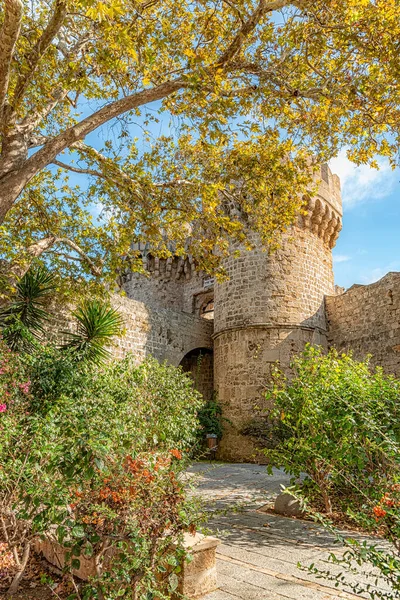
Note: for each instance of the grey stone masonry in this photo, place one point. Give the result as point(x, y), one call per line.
point(163, 333)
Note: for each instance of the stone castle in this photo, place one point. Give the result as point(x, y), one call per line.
point(268, 309)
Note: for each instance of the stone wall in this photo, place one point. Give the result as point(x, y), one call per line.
point(286, 287)
point(160, 291)
point(168, 283)
point(163, 333)
point(366, 319)
point(271, 305)
point(243, 359)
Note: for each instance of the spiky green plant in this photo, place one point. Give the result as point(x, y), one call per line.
point(22, 321)
point(97, 324)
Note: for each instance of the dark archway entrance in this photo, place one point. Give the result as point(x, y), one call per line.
point(200, 364)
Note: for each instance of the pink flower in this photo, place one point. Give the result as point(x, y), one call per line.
point(3, 408)
point(24, 387)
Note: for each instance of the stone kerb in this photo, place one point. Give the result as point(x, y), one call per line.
point(197, 577)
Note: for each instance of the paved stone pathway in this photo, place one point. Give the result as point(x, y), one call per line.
point(259, 553)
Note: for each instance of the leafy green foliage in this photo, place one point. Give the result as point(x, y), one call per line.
point(339, 424)
point(67, 434)
point(33, 290)
point(381, 582)
point(97, 325)
point(23, 320)
point(139, 508)
point(211, 419)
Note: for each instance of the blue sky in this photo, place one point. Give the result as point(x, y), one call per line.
point(369, 243)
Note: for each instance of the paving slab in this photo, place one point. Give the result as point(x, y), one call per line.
point(260, 552)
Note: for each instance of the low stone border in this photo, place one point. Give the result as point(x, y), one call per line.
point(197, 578)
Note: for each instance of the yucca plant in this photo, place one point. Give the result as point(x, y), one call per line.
point(22, 321)
point(97, 325)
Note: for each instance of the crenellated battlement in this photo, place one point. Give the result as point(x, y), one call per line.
point(322, 215)
point(173, 267)
point(323, 212)
point(322, 220)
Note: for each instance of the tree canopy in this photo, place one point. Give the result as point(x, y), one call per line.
point(207, 110)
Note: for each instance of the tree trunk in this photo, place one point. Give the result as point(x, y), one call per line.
point(11, 186)
point(21, 569)
point(327, 501)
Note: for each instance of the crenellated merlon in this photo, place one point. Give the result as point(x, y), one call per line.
point(173, 267)
point(322, 213)
point(322, 220)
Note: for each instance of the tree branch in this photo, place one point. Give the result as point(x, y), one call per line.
point(77, 169)
point(96, 271)
point(13, 181)
point(8, 38)
point(37, 249)
point(19, 268)
point(34, 57)
point(37, 140)
point(174, 183)
point(78, 132)
point(110, 166)
point(36, 115)
point(248, 27)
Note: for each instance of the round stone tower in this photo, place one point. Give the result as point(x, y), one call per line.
point(271, 306)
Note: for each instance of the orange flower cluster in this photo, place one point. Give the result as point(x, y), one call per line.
point(139, 469)
point(145, 489)
point(379, 512)
point(144, 473)
point(176, 454)
point(106, 493)
point(93, 519)
point(387, 501)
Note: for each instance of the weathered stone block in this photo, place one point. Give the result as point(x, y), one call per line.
point(288, 505)
point(197, 577)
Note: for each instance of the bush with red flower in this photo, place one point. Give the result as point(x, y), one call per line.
point(92, 458)
point(335, 427)
point(130, 519)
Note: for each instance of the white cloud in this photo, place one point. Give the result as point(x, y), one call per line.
point(379, 272)
point(360, 184)
point(340, 258)
point(374, 275)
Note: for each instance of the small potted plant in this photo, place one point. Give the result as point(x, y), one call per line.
point(211, 421)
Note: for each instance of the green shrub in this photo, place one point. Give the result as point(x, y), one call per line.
point(339, 424)
point(69, 429)
point(23, 320)
point(211, 419)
